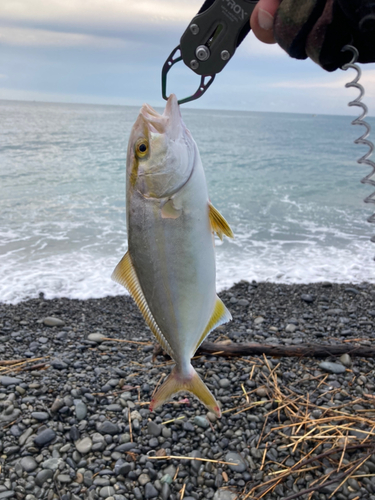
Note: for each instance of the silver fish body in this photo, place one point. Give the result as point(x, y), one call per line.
point(170, 265)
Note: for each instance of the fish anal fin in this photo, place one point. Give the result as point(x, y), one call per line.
point(218, 224)
point(219, 316)
point(125, 275)
point(176, 382)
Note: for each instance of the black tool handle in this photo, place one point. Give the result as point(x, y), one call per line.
point(214, 34)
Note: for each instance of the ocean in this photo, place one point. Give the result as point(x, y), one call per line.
point(288, 184)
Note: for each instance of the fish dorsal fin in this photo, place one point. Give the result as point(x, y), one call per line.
point(125, 275)
point(219, 225)
point(219, 316)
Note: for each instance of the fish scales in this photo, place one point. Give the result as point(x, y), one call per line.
point(169, 268)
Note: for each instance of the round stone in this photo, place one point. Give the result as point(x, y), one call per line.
point(4, 380)
point(28, 464)
point(45, 437)
point(106, 491)
point(108, 427)
point(224, 383)
point(81, 410)
point(144, 479)
point(153, 428)
point(40, 415)
point(151, 491)
point(84, 446)
point(43, 476)
point(332, 367)
point(237, 459)
point(201, 422)
point(96, 337)
point(52, 321)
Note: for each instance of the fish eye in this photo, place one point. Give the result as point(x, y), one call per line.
point(141, 148)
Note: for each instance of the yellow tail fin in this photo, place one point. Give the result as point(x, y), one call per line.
point(176, 382)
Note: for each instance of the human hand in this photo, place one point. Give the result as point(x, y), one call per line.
point(262, 20)
point(318, 29)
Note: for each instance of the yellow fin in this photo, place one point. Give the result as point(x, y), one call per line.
point(219, 316)
point(219, 225)
point(125, 274)
point(176, 382)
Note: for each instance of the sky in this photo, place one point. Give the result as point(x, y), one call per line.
point(112, 52)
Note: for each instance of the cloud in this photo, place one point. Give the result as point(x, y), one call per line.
point(330, 81)
point(45, 38)
point(99, 12)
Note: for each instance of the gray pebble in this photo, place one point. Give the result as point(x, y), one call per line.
point(153, 442)
point(106, 491)
point(144, 479)
point(84, 445)
point(114, 407)
point(195, 464)
point(122, 468)
point(96, 337)
point(151, 491)
point(137, 493)
point(6, 494)
point(201, 422)
point(243, 302)
point(58, 364)
point(28, 464)
point(4, 380)
point(165, 491)
point(224, 494)
point(261, 392)
point(306, 297)
point(224, 383)
point(43, 476)
point(52, 463)
point(234, 457)
point(346, 360)
point(45, 437)
point(81, 410)
point(64, 478)
point(290, 328)
point(52, 321)
point(40, 415)
point(153, 428)
point(332, 367)
point(108, 427)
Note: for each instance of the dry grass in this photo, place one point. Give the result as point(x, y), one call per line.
point(304, 433)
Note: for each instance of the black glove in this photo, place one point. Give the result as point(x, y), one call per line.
point(319, 29)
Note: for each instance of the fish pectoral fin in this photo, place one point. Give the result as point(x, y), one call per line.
point(125, 275)
point(169, 211)
point(218, 224)
point(219, 316)
point(176, 382)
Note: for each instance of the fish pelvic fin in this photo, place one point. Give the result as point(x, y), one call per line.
point(218, 224)
point(125, 275)
point(177, 382)
point(220, 316)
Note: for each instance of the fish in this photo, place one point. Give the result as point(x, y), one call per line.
point(169, 268)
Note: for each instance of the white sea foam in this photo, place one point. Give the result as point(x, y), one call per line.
point(78, 275)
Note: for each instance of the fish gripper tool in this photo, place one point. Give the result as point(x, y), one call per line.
point(363, 139)
point(210, 41)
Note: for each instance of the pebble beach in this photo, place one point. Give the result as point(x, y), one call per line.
point(76, 378)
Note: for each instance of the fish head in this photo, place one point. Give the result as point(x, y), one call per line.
point(161, 152)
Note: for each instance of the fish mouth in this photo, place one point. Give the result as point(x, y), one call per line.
point(169, 122)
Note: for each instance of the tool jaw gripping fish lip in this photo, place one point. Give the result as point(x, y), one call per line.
point(169, 268)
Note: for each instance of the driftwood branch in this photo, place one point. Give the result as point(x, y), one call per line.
point(301, 351)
